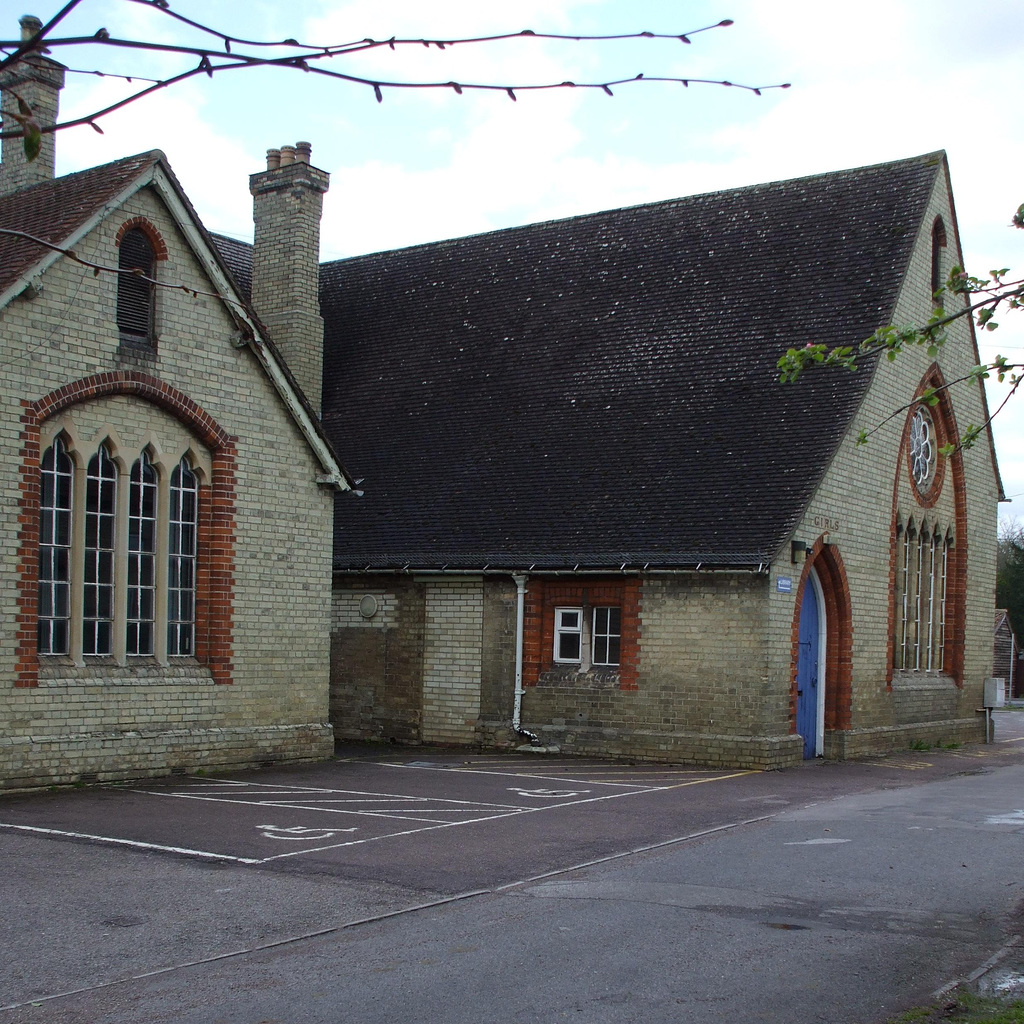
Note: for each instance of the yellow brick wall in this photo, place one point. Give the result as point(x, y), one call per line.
point(854, 505)
point(92, 720)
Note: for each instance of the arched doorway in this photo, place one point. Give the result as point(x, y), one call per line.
point(810, 667)
point(822, 620)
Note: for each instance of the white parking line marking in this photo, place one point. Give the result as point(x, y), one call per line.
point(527, 775)
point(549, 794)
point(132, 842)
point(1010, 818)
point(819, 842)
point(231, 790)
point(529, 810)
point(304, 807)
point(262, 788)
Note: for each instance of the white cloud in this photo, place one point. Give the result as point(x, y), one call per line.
point(877, 80)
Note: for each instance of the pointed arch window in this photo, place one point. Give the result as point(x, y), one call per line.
point(142, 519)
point(118, 567)
point(55, 550)
point(921, 596)
point(181, 566)
point(938, 244)
point(100, 527)
point(135, 295)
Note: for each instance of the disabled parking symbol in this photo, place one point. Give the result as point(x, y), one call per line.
point(300, 833)
point(550, 794)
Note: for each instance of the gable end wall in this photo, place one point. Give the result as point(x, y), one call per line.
point(106, 721)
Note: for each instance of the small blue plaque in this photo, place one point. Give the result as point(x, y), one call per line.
point(784, 584)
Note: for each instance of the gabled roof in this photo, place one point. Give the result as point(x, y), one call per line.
point(602, 391)
point(53, 210)
point(63, 210)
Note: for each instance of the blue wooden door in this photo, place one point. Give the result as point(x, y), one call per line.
point(807, 681)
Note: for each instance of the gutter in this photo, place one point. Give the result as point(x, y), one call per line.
point(762, 569)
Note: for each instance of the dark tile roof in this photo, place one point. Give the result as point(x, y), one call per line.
point(238, 258)
point(53, 210)
point(602, 390)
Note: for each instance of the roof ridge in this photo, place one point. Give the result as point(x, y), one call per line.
point(146, 156)
point(923, 158)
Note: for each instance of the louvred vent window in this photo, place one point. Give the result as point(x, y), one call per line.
point(134, 292)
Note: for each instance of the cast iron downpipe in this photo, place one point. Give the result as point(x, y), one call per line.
point(517, 708)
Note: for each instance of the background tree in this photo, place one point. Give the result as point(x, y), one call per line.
point(1010, 572)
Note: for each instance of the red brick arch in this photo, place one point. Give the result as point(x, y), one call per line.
point(216, 535)
point(947, 432)
point(147, 228)
point(826, 560)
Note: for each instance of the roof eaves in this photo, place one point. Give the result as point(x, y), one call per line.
point(254, 333)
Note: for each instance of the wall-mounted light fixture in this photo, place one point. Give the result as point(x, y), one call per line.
point(797, 552)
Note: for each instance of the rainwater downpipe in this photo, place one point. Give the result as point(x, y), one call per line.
point(517, 707)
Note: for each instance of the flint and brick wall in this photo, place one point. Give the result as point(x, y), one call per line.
point(700, 693)
point(377, 663)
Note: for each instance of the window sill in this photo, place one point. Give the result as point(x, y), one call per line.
point(561, 675)
point(918, 679)
point(61, 671)
point(136, 350)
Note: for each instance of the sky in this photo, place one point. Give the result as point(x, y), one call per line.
point(871, 81)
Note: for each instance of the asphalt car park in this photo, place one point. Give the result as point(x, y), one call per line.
point(449, 820)
point(259, 818)
point(108, 885)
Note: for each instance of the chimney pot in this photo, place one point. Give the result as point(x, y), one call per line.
point(303, 152)
point(273, 159)
point(287, 200)
point(35, 80)
point(30, 26)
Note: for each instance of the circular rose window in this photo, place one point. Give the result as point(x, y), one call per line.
point(922, 449)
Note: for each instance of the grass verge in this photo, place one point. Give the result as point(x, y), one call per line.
point(964, 1008)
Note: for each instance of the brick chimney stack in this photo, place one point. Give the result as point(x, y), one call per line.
point(38, 81)
point(287, 202)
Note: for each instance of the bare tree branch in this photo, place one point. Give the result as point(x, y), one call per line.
point(214, 60)
point(103, 268)
point(997, 292)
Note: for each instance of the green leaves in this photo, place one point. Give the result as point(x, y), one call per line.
point(32, 140)
point(980, 300)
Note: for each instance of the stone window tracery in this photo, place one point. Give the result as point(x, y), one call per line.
point(99, 609)
point(922, 450)
point(55, 550)
point(142, 530)
point(921, 597)
point(100, 527)
point(181, 569)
